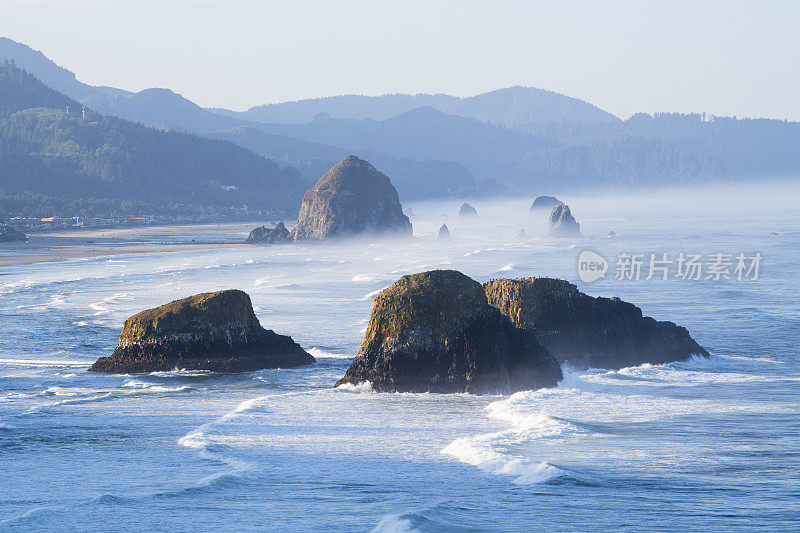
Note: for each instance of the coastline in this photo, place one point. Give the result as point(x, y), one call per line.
point(60, 245)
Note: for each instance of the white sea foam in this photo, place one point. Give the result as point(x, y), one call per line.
point(319, 353)
point(393, 524)
point(54, 363)
point(363, 278)
point(365, 386)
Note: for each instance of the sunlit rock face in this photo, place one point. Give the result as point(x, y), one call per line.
point(265, 235)
point(351, 199)
point(561, 223)
point(586, 331)
point(435, 332)
point(211, 331)
point(544, 204)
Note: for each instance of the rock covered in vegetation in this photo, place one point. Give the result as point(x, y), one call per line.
point(594, 332)
point(352, 198)
point(211, 331)
point(435, 332)
point(562, 224)
point(544, 203)
point(11, 234)
point(444, 233)
point(265, 235)
point(467, 211)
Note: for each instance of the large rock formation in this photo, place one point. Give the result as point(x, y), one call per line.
point(562, 224)
point(10, 234)
point(351, 198)
point(467, 211)
point(544, 204)
point(210, 331)
point(587, 331)
point(265, 235)
point(435, 332)
point(444, 233)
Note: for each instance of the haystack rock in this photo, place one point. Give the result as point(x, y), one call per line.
point(562, 224)
point(444, 233)
point(352, 198)
point(544, 204)
point(467, 211)
point(211, 331)
point(265, 235)
point(586, 331)
point(435, 332)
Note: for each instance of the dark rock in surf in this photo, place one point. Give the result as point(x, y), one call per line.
point(444, 233)
point(561, 223)
point(467, 211)
point(265, 235)
point(435, 332)
point(351, 199)
point(522, 235)
point(211, 331)
point(544, 204)
point(586, 331)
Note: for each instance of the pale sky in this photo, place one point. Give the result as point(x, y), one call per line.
point(722, 57)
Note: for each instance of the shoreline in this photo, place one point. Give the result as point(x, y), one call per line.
point(52, 246)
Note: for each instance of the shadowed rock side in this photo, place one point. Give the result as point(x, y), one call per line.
point(211, 331)
point(467, 211)
point(265, 235)
point(351, 198)
point(562, 224)
point(595, 332)
point(544, 203)
point(10, 234)
point(444, 233)
point(435, 332)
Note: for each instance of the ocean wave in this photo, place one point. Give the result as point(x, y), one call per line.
point(365, 386)
point(364, 278)
point(54, 363)
point(141, 387)
point(373, 294)
point(320, 353)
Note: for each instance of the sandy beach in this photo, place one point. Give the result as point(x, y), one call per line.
point(70, 244)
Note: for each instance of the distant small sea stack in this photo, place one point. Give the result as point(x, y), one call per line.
point(215, 331)
point(544, 204)
point(435, 332)
point(11, 234)
point(561, 223)
point(467, 211)
point(265, 235)
point(351, 199)
point(444, 233)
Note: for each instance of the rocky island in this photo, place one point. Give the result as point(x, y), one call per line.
point(587, 331)
point(435, 332)
point(265, 235)
point(11, 234)
point(352, 198)
point(544, 204)
point(561, 223)
point(444, 233)
point(215, 331)
point(467, 211)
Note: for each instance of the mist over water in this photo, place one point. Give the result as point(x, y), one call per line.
point(710, 444)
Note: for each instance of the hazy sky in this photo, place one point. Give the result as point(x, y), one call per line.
point(722, 57)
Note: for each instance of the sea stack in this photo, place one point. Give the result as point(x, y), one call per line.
point(562, 224)
point(215, 331)
point(435, 332)
point(265, 235)
point(586, 331)
point(544, 204)
point(444, 233)
point(11, 234)
point(351, 199)
point(467, 211)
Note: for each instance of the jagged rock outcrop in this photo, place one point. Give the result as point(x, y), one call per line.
point(211, 331)
point(444, 233)
point(561, 223)
point(544, 204)
point(594, 332)
point(467, 211)
point(522, 235)
point(11, 234)
point(352, 198)
point(265, 235)
point(435, 332)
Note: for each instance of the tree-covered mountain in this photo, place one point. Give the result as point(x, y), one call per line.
point(55, 162)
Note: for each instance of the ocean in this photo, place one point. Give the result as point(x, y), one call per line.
point(707, 444)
